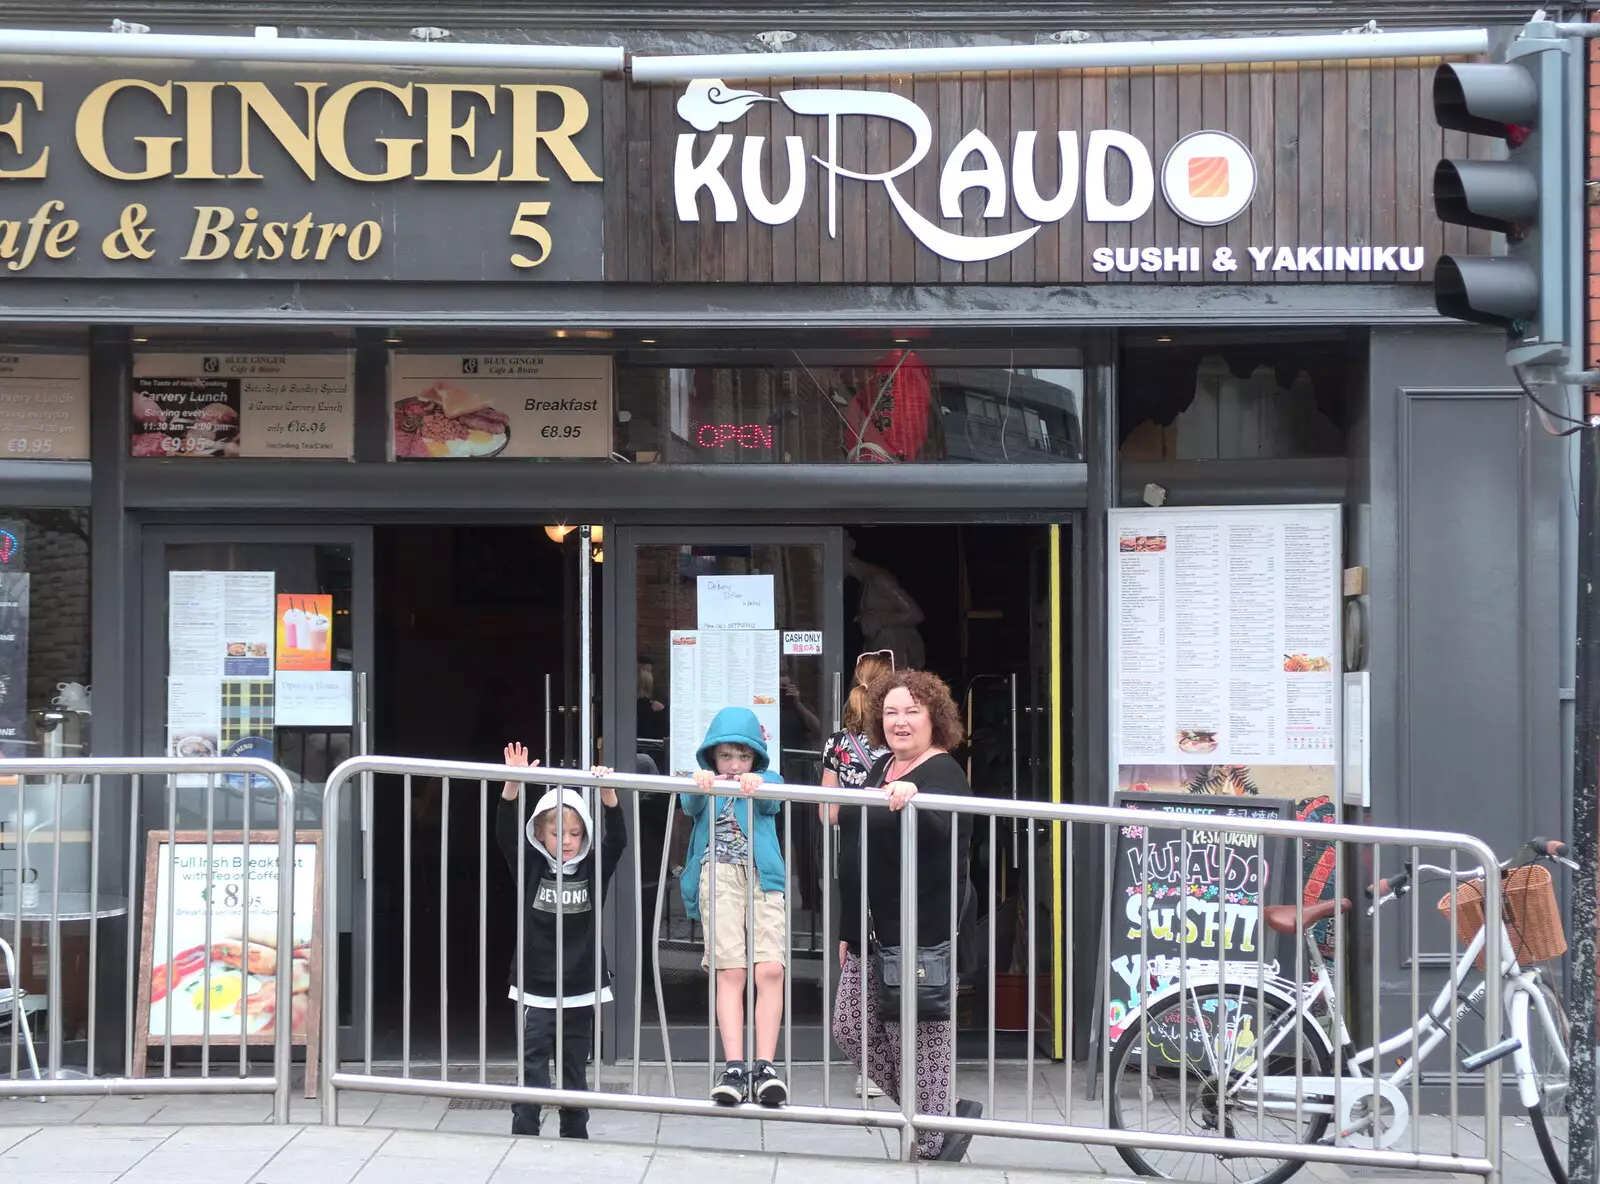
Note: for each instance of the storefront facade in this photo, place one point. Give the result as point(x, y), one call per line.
point(883, 340)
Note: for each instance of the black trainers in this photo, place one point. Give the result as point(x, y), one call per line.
point(954, 1147)
point(575, 1127)
point(733, 1087)
point(767, 1087)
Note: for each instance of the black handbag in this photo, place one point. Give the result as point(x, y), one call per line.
point(932, 973)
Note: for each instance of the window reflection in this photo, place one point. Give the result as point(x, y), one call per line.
point(897, 410)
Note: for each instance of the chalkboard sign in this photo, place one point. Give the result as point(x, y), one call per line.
point(1229, 877)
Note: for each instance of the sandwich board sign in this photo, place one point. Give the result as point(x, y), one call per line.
point(209, 949)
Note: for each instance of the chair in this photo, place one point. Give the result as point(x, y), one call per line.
point(13, 990)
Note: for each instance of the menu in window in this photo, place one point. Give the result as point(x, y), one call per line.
point(220, 661)
point(1225, 627)
point(298, 406)
point(712, 669)
point(44, 406)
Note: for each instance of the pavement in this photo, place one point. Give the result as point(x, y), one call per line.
point(408, 1139)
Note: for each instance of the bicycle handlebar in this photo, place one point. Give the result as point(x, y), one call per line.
point(1547, 848)
point(1392, 887)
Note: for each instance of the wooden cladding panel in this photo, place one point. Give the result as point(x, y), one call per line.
point(1344, 156)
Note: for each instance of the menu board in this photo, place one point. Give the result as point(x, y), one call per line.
point(237, 405)
point(220, 646)
point(1225, 655)
point(1195, 892)
point(711, 670)
point(44, 406)
point(479, 406)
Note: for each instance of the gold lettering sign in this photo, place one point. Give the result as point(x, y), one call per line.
point(11, 129)
point(450, 114)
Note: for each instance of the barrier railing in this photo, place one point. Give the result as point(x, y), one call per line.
point(62, 806)
point(1257, 1061)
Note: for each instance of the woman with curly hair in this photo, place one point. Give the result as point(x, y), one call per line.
point(911, 713)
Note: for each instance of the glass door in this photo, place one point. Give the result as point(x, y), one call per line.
point(702, 619)
point(259, 643)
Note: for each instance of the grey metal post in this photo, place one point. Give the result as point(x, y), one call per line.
point(908, 980)
point(586, 648)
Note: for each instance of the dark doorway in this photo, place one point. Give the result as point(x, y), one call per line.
point(471, 621)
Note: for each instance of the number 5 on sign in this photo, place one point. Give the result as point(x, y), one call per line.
point(524, 226)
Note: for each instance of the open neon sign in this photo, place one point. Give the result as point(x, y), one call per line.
point(728, 435)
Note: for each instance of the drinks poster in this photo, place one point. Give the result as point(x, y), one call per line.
point(304, 624)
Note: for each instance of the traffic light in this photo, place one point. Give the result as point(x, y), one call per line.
point(1532, 196)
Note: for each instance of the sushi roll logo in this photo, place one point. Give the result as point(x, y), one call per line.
point(1208, 178)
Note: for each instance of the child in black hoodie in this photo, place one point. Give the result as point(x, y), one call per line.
point(559, 830)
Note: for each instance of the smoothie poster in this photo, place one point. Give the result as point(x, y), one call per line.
point(305, 630)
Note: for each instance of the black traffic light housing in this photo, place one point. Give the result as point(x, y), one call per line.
point(1531, 102)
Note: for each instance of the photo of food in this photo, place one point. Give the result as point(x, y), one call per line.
point(1306, 664)
point(237, 649)
point(1197, 740)
point(1134, 543)
point(449, 421)
point(257, 649)
point(241, 979)
point(194, 745)
point(185, 417)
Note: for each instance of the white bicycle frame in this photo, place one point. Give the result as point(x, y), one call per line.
point(1303, 1094)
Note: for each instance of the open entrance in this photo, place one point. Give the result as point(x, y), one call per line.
point(475, 647)
point(983, 606)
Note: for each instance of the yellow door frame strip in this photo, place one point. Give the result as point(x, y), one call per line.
point(1058, 897)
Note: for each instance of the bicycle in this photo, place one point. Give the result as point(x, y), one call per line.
point(1260, 1052)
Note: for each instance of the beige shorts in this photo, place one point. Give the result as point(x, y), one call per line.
point(733, 919)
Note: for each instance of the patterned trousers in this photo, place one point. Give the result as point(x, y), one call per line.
point(935, 1050)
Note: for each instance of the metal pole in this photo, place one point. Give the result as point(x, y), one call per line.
point(586, 649)
point(1088, 55)
point(1585, 839)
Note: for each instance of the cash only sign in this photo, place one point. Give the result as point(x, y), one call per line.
point(212, 171)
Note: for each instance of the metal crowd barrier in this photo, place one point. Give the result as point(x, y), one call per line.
point(1240, 987)
point(77, 808)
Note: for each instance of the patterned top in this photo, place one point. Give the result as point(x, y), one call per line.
point(733, 846)
point(850, 756)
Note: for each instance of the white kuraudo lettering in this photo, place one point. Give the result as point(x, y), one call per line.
point(1208, 178)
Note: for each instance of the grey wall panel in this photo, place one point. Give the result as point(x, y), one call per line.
point(1464, 491)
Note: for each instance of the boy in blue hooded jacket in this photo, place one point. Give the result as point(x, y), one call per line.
point(735, 749)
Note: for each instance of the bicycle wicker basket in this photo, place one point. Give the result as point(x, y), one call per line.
point(1533, 919)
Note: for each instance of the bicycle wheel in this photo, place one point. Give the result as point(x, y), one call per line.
point(1549, 1117)
point(1178, 1094)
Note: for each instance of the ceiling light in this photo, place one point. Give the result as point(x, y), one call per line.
point(647, 341)
point(560, 333)
point(597, 535)
point(557, 534)
point(392, 340)
point(139, 340)
point(902, 340)
point(1164, 340)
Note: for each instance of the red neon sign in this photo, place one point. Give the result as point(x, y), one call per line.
point(742, 435)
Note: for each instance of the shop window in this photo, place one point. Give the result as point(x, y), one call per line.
point(897, 410)
point(1224, 401)
point(44, 633)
